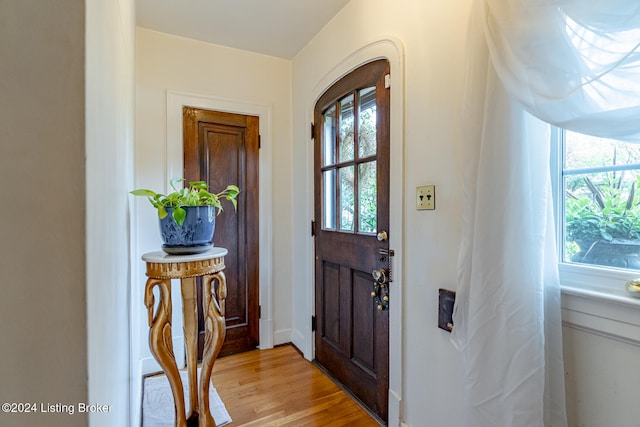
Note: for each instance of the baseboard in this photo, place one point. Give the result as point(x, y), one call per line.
point(148, 365)
point(283, 336)
point(299, 340)
point(266, 335)
point(394, 410)
point(136, 390)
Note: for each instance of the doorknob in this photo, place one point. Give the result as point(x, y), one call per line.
point(382, 236)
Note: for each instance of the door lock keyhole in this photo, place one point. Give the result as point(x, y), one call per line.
point(380, 276)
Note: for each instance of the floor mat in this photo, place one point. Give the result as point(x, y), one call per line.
point(158, 408)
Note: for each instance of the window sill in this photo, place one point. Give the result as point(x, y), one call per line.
point(595, 300)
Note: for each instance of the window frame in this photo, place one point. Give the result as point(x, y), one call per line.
point(340, 164)
point(599, 282)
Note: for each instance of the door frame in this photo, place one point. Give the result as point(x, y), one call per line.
point(174, 167)
point(392, 49)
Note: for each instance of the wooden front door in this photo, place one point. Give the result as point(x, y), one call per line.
point(222, 149)
point(351, 186)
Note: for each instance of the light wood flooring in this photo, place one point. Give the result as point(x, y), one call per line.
point(279, 387)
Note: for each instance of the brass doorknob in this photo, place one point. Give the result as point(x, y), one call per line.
point(382, 236)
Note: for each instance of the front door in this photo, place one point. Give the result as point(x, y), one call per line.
point(222, 149)
point(351, 186)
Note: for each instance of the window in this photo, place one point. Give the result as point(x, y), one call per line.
point(599, 201)
point(349, 156)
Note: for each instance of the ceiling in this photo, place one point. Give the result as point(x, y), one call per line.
point(278, 28)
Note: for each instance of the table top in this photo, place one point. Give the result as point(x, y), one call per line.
point(163, 257)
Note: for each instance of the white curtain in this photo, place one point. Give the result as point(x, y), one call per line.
point(570, 63)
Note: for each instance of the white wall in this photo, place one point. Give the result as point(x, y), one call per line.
point(66, 126)
point(42, 258)
point(109, 175)
point(169, 68)
point(433, 37)
point(601, 379)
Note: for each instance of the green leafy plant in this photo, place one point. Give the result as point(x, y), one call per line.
point(196, 194)
point(606, 212)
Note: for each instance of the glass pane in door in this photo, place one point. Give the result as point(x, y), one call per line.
point(347, 128)
point(347, 198)
point(367, 197)
point(329, 180)
point(367, 122)
point(329, 137)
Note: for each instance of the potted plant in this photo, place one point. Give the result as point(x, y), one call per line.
point(187, 215)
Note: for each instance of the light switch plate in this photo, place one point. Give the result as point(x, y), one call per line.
point(426, 197)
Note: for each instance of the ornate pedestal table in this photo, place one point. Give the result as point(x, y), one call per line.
point(161, 268)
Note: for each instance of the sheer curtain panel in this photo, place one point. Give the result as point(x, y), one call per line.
point(571, 63)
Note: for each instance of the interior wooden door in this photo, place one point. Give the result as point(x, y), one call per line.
point(351, 186)
point(222, 149)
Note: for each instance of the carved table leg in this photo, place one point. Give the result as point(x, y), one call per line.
point(215, 331)
point(190, 316)
point(161, 343)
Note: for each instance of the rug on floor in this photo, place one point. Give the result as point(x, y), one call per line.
point(157, 402)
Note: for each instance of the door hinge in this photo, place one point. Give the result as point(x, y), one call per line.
point(313, 130)
point(259, 312)
point(387, 81)
point(259, 142)
point(313, 323)
point(313, 228)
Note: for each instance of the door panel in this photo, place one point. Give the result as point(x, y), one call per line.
point(363, 319)
point(351, 191)
point(222, 149)
point(331, 294)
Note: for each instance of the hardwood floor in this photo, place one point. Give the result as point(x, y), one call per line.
point(279, 387)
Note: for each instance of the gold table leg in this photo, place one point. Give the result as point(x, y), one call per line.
point(160, 341)
point(215, 332)
point(190, 316)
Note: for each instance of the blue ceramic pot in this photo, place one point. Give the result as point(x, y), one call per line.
point(194, 236)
